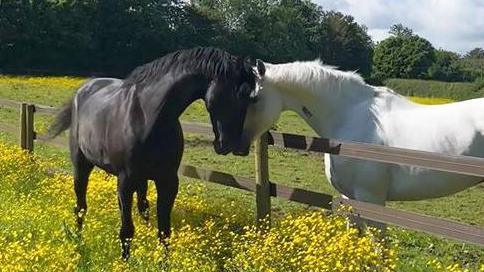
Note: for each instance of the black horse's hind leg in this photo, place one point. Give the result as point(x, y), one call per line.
point(125, 201)
point(167, 189)
point(143, 205)
point(82, 170)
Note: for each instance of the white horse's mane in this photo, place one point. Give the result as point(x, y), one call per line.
point(309, 73)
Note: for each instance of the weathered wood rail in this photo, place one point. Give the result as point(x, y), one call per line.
point(264, 188)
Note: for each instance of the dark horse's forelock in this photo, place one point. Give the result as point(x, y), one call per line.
point(211, 62)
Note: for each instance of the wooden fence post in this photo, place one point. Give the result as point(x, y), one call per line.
point(30, 133)
point(23, 125)
point(262, 193)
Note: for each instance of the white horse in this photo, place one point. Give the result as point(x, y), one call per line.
point(340, 105)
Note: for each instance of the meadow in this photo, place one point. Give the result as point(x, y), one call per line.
point(213, 228)
point(436, 89)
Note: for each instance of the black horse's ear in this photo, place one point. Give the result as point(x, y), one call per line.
point(261, 68)
point(248, 64)
point(239, 61)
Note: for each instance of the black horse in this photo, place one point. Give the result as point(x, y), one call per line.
point(130, 127)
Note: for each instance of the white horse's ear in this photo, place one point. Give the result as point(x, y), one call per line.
point(261, 68)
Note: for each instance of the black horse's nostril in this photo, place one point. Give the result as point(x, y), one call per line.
point(243, 146)
point(241, 152)
point(221, 147)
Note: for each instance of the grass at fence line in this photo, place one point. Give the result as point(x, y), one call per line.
point(49, 91)
point(297, 169)
point(429, 88)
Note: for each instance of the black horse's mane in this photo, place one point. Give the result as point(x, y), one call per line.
point(212, 62)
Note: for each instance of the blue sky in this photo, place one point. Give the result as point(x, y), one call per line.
point(456, 25)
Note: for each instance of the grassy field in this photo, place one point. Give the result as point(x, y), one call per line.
point(436, 89)
point(296, 169)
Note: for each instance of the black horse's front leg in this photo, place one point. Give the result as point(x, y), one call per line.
point(143, 204)
point(166, 194)
point(125, 200)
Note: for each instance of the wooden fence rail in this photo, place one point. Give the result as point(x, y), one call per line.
point(465, 165)
point(264, 189)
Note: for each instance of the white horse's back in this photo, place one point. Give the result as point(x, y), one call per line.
point(454, 128)
point(449, 128)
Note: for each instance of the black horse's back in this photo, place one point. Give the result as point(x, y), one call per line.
point(63, 118)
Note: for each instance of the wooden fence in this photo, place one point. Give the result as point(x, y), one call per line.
point(265, 189)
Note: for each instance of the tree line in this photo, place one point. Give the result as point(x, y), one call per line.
point(407, 55)
point(114, 36)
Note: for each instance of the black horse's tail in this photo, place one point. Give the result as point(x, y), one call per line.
point(62, 120)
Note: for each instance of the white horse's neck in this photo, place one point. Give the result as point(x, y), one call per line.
point(324, 97)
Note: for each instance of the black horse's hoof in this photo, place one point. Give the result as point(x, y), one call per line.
point(125, 249)
point(145, 215)
point(144, 210)
point(79, 214)
point(125, 256)
point(163, 240)
point(79, 223)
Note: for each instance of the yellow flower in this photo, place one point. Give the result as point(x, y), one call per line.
point(38, 232)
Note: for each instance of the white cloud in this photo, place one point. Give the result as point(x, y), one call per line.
point(456, 25)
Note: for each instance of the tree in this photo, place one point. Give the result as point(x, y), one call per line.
point(113, 36)
point(344, 43)
point(476, 53)
point(399, 30)
point(288, 30)
point(128, 33)
point(473, 65)
point(14, 30)
point(402, 55)
point(276, 31)
point(446, 66)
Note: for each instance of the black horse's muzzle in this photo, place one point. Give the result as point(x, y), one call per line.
point(243, 147)
point(222, 147)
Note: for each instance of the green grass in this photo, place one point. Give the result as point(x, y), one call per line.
point(428, 88)
point(53, 91)
point(297, 169)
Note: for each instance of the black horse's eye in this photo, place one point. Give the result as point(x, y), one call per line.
point(244, 91)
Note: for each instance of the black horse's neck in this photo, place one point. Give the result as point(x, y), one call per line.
point(167, 86)
point(182, 93)
point(163, 102)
